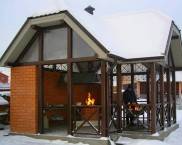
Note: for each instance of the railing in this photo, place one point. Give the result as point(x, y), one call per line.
point(159, 119)
point(169, 118)
point(86, 119)
point(113, 119)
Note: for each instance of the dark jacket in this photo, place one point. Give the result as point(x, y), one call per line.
point(129, 96)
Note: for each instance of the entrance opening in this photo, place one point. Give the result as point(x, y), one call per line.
point(86, 98)
point(55, 99)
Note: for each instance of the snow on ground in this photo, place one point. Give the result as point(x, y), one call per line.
point(22, 140)
point(173, 139)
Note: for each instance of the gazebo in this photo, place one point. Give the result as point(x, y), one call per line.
point(63, 65)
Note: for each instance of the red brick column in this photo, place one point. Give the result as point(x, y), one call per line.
point(24, 94)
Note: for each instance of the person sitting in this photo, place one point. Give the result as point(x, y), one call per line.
point(129, 97)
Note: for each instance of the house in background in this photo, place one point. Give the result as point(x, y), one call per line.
point(4, 98)
point(141, 91)
point(4, 87)
point(3, 78)
point(63, 65)
point(179, 90)
point(4, 84)
point(179, 84)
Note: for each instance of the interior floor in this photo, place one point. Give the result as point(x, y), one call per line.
point(57, 130)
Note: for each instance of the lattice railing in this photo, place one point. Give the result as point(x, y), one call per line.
point(159, 119)
point(86, 119)
point(113, 119)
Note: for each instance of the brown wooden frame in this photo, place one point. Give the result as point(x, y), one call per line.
point(161, 75)
point(119, 97)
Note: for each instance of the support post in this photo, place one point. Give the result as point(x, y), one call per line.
point(174, 95)
point(104, 129)
point(69, 82)
point(109, 93)
point(153, 98)
point(119, 98)
point(168, 97)
point(40, 85)
point(161, 73)
point(148, 100)
point(132, 75)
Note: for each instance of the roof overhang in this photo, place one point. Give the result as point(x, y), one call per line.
point(157, 59)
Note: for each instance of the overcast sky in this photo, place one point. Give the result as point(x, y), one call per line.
point(13, 13)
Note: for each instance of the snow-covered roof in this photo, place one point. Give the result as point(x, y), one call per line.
point(4, 86)
point(3, 101)
point(141, 34)
point(128, 35)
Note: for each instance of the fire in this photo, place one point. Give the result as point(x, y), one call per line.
point(90, 100)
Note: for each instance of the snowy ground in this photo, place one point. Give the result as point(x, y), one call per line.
point(22, 140)
point(174, 138)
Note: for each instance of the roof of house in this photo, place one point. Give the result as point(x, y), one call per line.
point(2, 74)
point(127, 35)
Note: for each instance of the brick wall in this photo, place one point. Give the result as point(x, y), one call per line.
point(23, 117)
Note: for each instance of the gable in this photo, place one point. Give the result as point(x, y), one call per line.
point(80, 47)
point(27, 32)
point(173, 50)
point(32, 53)
point(55, 46)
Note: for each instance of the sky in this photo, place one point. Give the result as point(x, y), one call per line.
point(13, 13)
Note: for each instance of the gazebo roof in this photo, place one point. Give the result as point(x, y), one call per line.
point(145, 34)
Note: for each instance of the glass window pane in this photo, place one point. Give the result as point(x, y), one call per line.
point(80, 47)
point(32, 54)
point(55, 44)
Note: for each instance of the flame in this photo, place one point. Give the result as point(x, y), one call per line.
point(90, 100)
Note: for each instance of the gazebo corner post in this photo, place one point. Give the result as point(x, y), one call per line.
point(168, 97)
point(153, 97)
point(161, 76)
point(148, 99)
point(119, 98)
point(132, 75)
point(69, 82)
point(104, 121)
point(40, 84)
point(40, 100)
point(174, 95)
point(70, 94)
